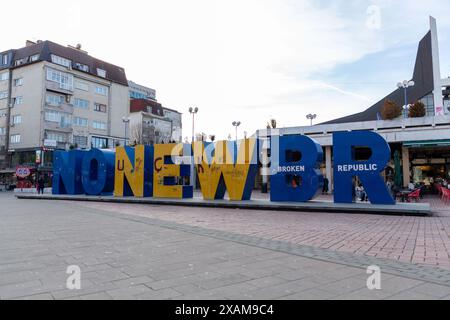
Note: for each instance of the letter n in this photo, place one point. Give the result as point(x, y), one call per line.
point(67, 172)
point(134, 171)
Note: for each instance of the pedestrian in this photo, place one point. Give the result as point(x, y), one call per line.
point(390, 186)
point(41, 185)
point(362, 193)
point(325, 185)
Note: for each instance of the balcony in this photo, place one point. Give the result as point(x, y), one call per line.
point(60, 88)
point(64, 107)
point(62, 126)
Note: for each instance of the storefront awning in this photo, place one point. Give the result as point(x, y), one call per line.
point(429, 143)
point(7, 171)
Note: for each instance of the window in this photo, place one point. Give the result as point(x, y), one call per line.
point(99, 143)
point(52, 116)
point(81, 103)
point(5, 59)
point(58, 137)
point(101, 73)
point(20, 62)
point(64, 80)
point(54, 100)
point(34, 58)
point(18, 82)
point(17, 101)
point(82, 122)
point(81, 67)
point(62, 118)
point(3, 94)
point(99, 107)
point(101, 90)
point(4, 76)
point(98, 125)
point(80, 141)
point(2, 131)
point(81, 85)
point(138, 95)
point(16, 119)
point(428, 101)
point(15, 138)
point(61, 61)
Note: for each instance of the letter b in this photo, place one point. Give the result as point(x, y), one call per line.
point(300, 185)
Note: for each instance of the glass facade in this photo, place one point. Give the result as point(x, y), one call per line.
point(428, 101)
point(99, 143)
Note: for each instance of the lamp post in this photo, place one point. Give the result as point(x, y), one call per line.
point(405, 85)
point(193, 111)
point(236, 124)
point(311, 117)
point(126, 121)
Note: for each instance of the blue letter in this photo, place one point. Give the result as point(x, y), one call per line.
point(346, 167)
point(297, 177)
point(98, 172)
point(67, 172)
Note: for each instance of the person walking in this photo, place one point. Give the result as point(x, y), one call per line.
point(325, 186)
point(41, 185)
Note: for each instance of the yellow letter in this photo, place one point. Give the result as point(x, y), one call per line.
point(167, 175)
point(129, 178)
point(220, 172)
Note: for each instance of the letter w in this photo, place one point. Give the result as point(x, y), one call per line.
point(223, 171)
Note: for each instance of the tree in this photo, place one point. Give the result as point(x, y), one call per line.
point(136, 134)
point(417, 110)
point(391, 110)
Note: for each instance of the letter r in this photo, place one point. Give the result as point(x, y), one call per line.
point(343, 148)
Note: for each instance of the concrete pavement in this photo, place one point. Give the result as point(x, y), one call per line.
point(129, 256)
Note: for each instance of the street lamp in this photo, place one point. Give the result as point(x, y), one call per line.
point(236, 124)
point(311, 117)
point(126, 121)
point(193, 111)
point(405, 85)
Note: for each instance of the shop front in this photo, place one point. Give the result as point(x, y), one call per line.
point(429, 161)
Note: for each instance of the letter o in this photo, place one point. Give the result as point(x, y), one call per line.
point(97, 172)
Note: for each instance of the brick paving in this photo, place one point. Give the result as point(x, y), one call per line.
point(420, 240)
point(126, 254)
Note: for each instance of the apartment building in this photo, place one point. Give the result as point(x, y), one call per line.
point(151, 123)
point(138, 91)
point(57, 97)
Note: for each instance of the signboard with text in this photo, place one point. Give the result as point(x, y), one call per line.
point(165, 171)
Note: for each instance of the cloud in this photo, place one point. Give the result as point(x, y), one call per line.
point(243, 60)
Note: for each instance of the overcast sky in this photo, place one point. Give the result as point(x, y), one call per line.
point(247, 60)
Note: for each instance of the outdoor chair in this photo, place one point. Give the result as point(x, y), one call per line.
point(415, 195)
point(445, 195)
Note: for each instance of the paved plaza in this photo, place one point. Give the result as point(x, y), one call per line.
point(131, 251)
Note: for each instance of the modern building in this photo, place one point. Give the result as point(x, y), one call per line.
point(138, 91)
point(57, 97)
point(423, 144)
point(151, 123)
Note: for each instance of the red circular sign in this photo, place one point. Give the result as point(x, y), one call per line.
point(23, 172)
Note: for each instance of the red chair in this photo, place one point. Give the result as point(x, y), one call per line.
point(415, 195)
point(445, 195)
point(438, 188)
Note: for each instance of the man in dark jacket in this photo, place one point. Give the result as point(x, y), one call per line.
point(41, 185)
